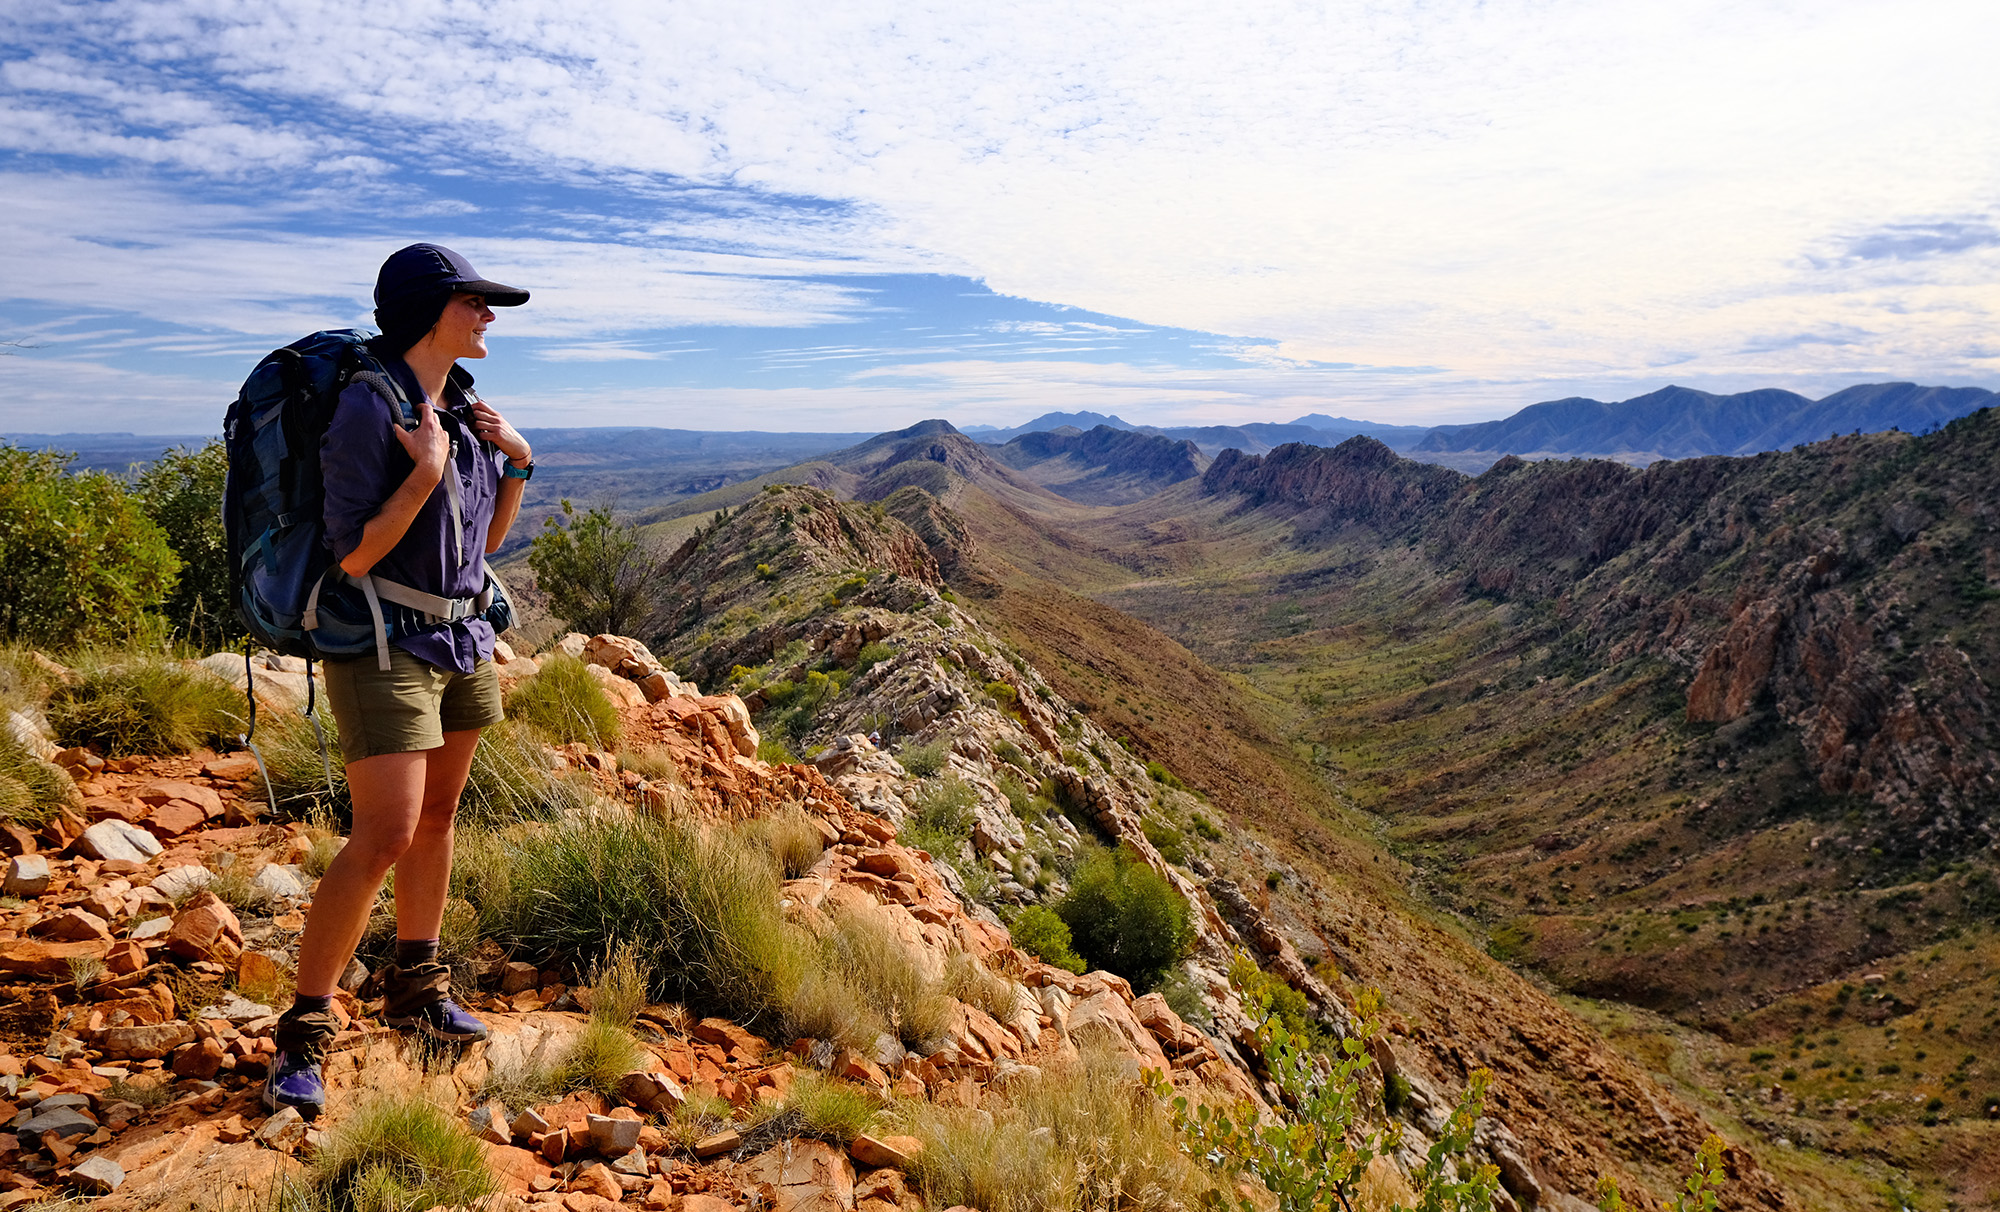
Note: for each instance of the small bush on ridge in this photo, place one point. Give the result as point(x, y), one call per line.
point(1040, 933)
point(925, 760)
point(1125, 918)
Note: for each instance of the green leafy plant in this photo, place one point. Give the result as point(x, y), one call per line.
point(1313, 1155)
point(600, 574)
point(1125, 918)
point(1699, 1195)
point(181, 491)
point(1039, 932)
point(79, 558)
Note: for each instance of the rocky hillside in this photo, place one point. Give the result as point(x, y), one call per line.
point(150, 924)
point(820, 614)
point(1104, 466)
point(1847, 587)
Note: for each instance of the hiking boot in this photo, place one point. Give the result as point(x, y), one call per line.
point(444, 1021)
point(418, 998)
point(294, 1079)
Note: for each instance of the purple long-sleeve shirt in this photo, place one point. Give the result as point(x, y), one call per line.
point(362, 464)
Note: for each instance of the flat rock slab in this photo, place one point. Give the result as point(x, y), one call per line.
point(116, 839)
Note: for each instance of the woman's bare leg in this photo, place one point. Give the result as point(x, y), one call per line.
point(423, 873)
point(388, 792)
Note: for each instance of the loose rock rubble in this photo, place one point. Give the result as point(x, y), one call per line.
point(135, 1052)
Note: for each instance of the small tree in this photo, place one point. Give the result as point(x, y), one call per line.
point(1125, 918)
point(182, 492)
point(79, 559)
point(600, 574)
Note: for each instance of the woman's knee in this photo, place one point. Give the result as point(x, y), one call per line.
point(377, 850)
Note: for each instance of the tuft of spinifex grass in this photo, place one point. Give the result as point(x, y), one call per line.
point(395, 1152)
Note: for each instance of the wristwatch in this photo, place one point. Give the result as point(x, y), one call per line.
point(511, 472)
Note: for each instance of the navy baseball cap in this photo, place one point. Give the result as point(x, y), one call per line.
point(425, 270)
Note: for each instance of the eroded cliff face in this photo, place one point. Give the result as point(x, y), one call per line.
point(1848, 586)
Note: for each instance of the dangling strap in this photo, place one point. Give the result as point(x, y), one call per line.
point(452, 494)
point(250, 690)
point(319, 734)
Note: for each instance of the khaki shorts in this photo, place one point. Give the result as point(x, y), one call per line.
point(410, 707)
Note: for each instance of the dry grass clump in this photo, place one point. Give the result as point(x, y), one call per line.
point(618, 987)
point(794, 838)
point(564, 701)
point(140, 702)
point(31, 790)
point(864, 953)
point(832, 1110)
point(654, 764)
point(968, 980)
point(395, 1153)
point(696, 909)
point(1083, 1136)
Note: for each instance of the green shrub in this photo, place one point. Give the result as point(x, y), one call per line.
point(1289, 1007)
point(927, 759)
point(181, 492)
point(1125, 918)
point(1040, 933)
point(948, 805)
point(1166, 839)
point(1315, 1151)
point(1004, 694)
point(79, 559)
point(395, 1153)
point(566, 702)
point(139, 703)
point(600, 574)
point(1160, 774)
point(871, 655)
point(1206, 828)
point(772, 750)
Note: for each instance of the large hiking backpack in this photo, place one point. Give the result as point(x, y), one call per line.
point(291, 596)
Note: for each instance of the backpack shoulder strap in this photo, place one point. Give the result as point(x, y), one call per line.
point(370, 371)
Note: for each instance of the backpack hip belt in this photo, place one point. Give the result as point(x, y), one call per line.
point(434, 608)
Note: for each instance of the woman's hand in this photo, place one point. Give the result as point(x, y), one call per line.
point(427, 445)
point(493, 427)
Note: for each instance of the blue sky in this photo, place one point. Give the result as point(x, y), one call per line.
point(853, 216)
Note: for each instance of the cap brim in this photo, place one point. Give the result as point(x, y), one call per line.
point(495, 294)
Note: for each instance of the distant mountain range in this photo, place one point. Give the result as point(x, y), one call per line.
point(1316, 429)
point(1680, 423)
point(641, 465)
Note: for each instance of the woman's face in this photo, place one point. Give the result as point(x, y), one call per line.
point(461, 330)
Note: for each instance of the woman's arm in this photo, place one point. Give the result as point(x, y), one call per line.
point(430, 449)
point(494, 428)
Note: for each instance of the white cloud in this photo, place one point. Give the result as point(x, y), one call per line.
point(1520, 193)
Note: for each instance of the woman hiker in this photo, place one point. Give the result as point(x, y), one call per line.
point(407, 733)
